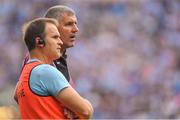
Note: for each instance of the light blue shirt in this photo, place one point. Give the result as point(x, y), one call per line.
point(46, 80)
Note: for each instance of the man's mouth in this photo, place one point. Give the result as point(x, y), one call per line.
point(73, 36)
point(59, 48)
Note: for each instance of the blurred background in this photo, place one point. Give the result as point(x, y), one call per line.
point(126, 60)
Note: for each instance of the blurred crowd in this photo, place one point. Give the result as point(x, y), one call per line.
point(126, 60)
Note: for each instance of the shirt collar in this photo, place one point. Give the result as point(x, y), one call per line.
point(33, 60)
point(64, 55)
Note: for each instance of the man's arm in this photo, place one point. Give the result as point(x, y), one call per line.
point(72, 100)
point(53, 83)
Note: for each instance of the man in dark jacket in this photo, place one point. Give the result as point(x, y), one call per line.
point(68, 28)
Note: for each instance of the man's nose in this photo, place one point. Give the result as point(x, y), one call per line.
point(60, 42)
point(75, 29)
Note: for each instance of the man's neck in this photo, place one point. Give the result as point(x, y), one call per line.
point(63, 50)
point(39, 56)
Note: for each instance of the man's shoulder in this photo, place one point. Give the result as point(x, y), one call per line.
point(61, 65)
point(44, 69)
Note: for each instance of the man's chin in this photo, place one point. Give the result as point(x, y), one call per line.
point(71, 45)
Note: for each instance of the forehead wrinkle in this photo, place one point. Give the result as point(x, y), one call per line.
point(67, 18)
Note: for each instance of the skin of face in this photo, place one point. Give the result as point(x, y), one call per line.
point(53, 42)
point(68, 30)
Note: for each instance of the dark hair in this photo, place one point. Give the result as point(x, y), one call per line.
point(58, 11)
point(36, 28)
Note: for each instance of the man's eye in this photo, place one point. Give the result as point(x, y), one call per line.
point(56, 37)
point(68, 24)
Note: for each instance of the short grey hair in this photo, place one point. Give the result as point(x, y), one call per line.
point(58, 11)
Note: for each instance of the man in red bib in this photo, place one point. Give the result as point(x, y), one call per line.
point(42, 91)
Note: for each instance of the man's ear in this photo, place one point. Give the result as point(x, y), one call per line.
point(39, 42)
